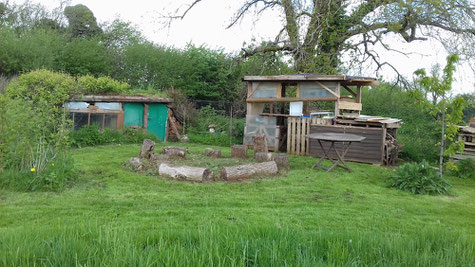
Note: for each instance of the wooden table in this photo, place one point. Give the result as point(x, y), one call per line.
point(335, 138)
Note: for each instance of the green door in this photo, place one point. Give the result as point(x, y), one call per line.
point(157, 120)
point(133, 114)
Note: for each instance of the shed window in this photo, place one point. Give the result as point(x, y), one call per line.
point(80, 119)
point(108, 105)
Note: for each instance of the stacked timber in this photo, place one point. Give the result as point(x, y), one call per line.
point(467, 135)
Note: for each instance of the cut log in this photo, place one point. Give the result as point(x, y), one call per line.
point(239, 151)
point(260, 143)
point(262, 156)
point(215, 153)
point(235, 173)
point(136, 164)
point(147, 150)
point(187, 173)
point(282, 160)
point(174, 151)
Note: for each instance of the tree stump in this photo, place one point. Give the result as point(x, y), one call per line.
point(235, 173)
point(174, 151)
point(260, 143)
point(147, 150)
point(136, 164)
point(187, 173)
point(282, 160)
point(239, 151)
point(262, 156)
point(215, 153)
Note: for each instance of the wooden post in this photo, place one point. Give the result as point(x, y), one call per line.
point(302, 138)
point(297, 136)
point(337, 110)
point(145, 116)
point(289, 128)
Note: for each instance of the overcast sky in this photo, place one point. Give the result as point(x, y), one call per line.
point(205, 25)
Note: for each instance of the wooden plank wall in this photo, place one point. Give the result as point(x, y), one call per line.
point(368, 151)
point(297, 128)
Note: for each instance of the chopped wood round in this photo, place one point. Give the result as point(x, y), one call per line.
point(239, 151)
point(173, 151)
point(262, 156)
point(260, 143)
point(215, 153)
point(187, 173)
point(147, 150)
point(282, 160)
point(136, 164)
point(236, 173)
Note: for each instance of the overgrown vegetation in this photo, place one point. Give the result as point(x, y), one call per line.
point(464, 168)
point(419, 178)
point(34, 128)
point(93, 136)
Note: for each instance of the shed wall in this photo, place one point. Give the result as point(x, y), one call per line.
point(369, 150)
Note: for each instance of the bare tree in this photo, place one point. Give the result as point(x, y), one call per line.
point(317, 32)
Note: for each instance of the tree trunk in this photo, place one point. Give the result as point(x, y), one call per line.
point(173, 151)
point(215, 153)
point(236, 173)
point(147, 150)
point(282, 160)
point(262, 156)
point(187, 173)
point(441, 158)
point(260, 143)
point(239, 151)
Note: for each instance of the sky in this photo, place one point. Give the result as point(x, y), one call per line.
point(206, 23)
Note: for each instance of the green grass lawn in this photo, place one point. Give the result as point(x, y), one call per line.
point(112, 216)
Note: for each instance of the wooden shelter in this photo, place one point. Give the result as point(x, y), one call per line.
point(117, 111)
point(278, 106)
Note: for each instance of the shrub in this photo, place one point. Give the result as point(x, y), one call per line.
point(464, 168)
point(93, 136)
point(419, 178)
point(33, 131)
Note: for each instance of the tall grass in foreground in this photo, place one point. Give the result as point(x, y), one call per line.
point(93, 245)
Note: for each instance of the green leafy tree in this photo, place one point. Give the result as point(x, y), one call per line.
point(81, 21)
point(447, 111)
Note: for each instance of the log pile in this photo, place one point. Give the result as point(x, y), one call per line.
point(236, 173)
point(186, 173)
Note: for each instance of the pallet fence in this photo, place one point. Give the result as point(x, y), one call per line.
point(297, 143)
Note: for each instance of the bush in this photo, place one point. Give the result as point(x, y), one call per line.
point(419, 178)
point(464, 168)
point(33, 132)
point(93, 136)
point(419, 134)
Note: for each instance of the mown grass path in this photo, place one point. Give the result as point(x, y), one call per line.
point(256, 222)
